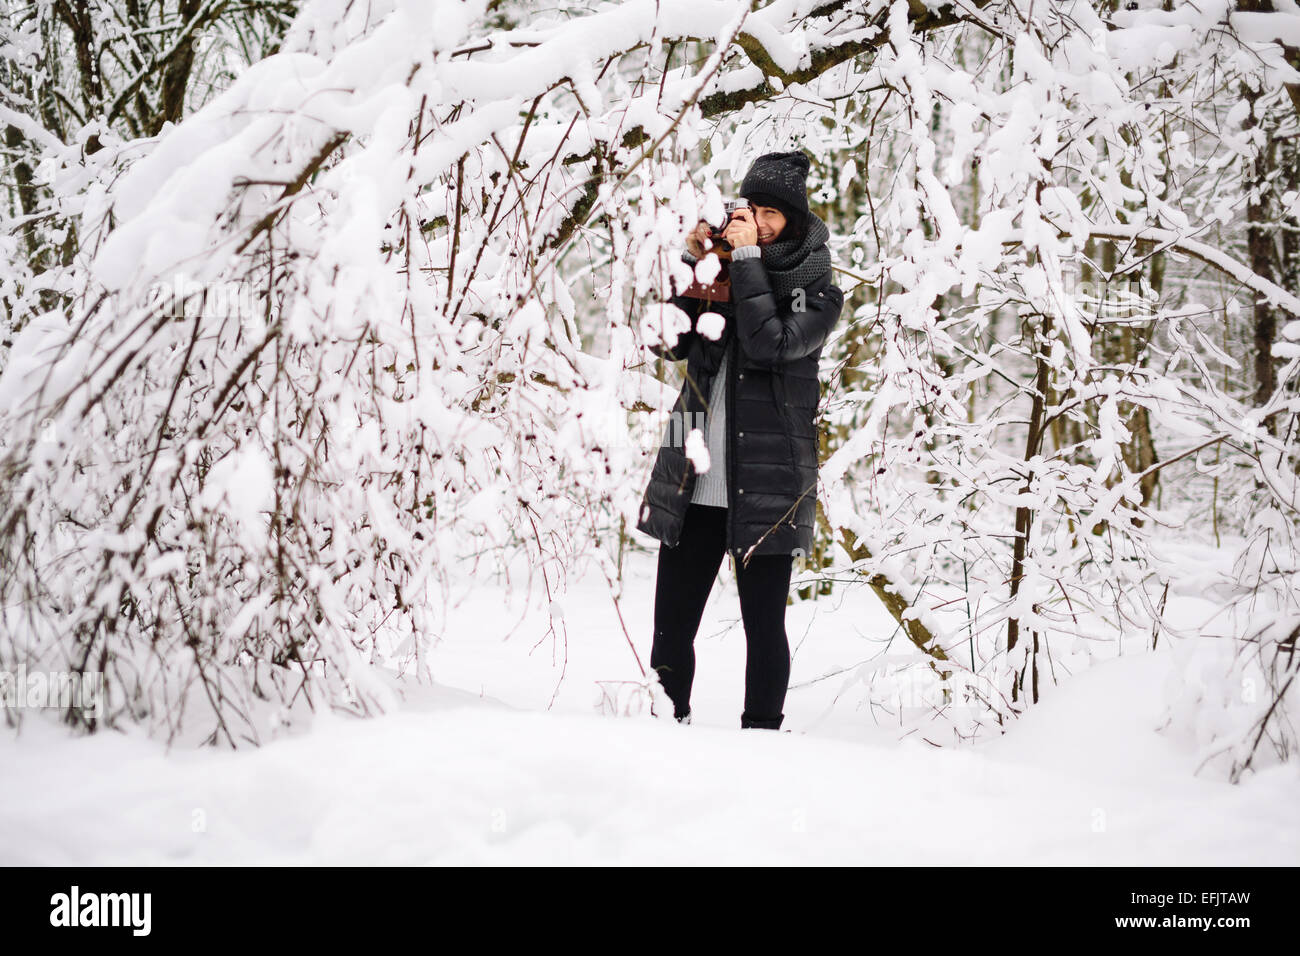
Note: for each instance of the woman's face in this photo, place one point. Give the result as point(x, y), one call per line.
point(770, 222)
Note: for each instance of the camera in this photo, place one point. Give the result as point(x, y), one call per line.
point(715, 232)
point(719, 290)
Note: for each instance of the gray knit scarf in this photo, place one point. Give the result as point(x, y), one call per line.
point(797, 262)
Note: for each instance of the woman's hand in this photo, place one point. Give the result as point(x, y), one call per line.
point(698, 241)
point(742, 230)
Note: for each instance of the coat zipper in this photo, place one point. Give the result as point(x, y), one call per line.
point(783, 405)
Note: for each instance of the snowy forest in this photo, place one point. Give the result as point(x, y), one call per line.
point(316, 315)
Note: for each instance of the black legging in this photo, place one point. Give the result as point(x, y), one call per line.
point(685, 577)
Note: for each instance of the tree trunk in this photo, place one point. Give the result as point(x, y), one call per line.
point(1262, 253)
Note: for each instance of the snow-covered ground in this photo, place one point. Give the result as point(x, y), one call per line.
point(484, 768)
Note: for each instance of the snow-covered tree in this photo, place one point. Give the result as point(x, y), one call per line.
point(379, 308)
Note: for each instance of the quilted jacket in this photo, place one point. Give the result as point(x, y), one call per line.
point(772, 394)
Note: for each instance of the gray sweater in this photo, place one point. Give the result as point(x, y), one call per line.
point(711, 487)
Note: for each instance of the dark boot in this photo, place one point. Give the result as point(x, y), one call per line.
point(759, 723)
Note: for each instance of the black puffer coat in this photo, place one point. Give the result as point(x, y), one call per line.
point(772, 394)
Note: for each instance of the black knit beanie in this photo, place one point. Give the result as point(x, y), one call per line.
point(780, 180)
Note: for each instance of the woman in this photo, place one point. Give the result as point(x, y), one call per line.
point(757, 387)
